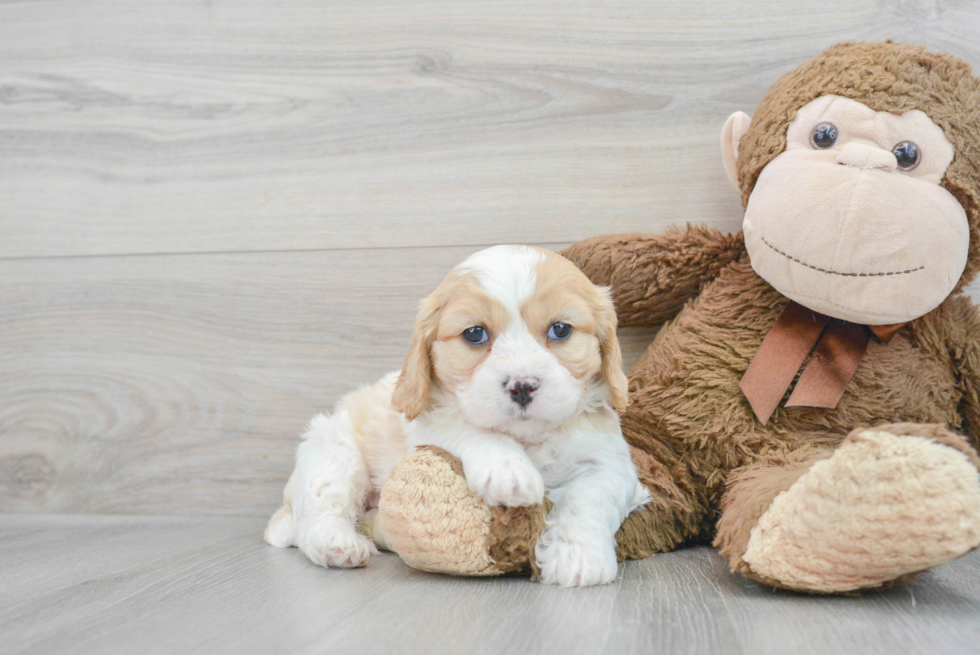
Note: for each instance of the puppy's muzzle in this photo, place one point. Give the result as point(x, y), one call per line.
point(522, 390)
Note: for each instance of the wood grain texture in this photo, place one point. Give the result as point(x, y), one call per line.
point(218, 216)
point(315, 168)
point(133, 127)
point(177, 585)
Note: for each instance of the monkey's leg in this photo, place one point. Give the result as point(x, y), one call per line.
point(887, 503)
point(434, 522)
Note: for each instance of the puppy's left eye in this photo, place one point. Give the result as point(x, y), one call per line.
point(559, 331)
point(475, 335)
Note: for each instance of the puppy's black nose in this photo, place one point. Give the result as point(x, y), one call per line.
point(521, 391)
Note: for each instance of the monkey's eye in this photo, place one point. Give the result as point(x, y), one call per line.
point(907, 155)
point(559, 331)
point(475, 335)
point(824, 136)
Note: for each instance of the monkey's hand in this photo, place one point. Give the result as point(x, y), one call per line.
point(653, 275)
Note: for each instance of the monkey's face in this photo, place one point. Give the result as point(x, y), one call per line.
point(851, 221)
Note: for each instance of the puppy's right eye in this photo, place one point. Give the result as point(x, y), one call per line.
point(475, 336)
point(559, 331)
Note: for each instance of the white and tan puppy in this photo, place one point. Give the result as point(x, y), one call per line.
point(515, 368)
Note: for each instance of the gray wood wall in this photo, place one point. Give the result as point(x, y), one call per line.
point(216, 217)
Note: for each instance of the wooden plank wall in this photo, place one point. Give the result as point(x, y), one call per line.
point(217, 216)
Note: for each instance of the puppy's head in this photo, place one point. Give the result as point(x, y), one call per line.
point(520, 338)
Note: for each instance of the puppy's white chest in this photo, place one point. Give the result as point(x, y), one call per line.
point(553, 466)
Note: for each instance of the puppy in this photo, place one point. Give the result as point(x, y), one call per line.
point(515, 368)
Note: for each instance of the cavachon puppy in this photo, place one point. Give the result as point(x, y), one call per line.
point(514, 368)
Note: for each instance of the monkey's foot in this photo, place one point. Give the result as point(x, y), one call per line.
point(886, 505)
point(435, 523)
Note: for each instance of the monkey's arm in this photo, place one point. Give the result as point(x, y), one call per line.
point(653, 275)
point(964, 346)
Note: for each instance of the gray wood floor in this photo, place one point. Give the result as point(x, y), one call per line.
point(86, 584)
point(217, 216)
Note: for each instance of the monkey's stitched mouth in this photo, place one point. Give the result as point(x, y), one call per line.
point(829, 272)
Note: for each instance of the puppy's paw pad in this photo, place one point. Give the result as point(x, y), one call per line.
point(344, 550)
point(509, 481)
point(575, 565)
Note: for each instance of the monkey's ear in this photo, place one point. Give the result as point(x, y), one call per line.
point(736, 125)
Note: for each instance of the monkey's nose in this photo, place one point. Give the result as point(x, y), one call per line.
point(521, 390)
point(868, 157)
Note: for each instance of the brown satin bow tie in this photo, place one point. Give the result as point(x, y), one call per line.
point(839, 348)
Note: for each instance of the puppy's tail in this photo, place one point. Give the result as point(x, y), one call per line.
point(281, 529)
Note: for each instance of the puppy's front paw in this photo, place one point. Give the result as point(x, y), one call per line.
point(508, 480)
point(575, 564)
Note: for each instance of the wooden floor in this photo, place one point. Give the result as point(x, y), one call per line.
point(218, 216)
point(207, 585)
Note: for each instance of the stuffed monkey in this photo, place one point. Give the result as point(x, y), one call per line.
point(812, 403)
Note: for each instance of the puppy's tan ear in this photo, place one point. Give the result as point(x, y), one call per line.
point(411, 394)
point(612, 356)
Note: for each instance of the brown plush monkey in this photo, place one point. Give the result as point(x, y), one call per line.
point(812, 404)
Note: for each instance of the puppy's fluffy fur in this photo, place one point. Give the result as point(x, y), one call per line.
point(528, 411)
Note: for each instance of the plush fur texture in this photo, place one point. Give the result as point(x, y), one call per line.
point(714, 471)
point(687, 410)
point(455, 535)
point(847, 522)
point(459, 533)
